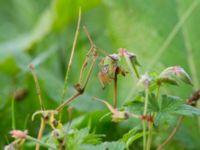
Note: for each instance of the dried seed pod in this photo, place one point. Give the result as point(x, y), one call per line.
point(108, 66)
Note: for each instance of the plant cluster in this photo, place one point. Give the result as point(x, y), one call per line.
point(151, 107)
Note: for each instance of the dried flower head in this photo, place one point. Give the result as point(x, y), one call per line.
point(109, 67)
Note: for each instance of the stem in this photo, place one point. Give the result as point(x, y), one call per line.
point(71, 59)
point(115, 89)
point(89, 37)
point(13, 112)
point(37, 85)
point(132, 68)
point(41, 143)
point(90, 70)
point(92, 49)
point(42, 126)
point(171, 134)
point(85, 64)
point(144, 122)
point(136, 71)
point(60, 107)
point(150, 135)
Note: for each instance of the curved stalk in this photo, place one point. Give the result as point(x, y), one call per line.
point(171, 134)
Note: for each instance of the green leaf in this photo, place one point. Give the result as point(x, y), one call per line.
point(131, 136)
point(106, 146)
point(187, 110)
point(170, 103)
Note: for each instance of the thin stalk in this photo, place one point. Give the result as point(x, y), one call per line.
point(42, 126)
point(144, 122)
point(85, 63)
point(149, 140)
point(132, 68)
point(37, 86)
point(92, 50)
point(115, 89)
point(13, 112)
point(90, 70)
point(41, 143)
point(136, 71)
point(71, 59)
point(171, 134)
point(59, 108)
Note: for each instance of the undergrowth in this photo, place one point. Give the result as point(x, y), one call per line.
point(152, 107)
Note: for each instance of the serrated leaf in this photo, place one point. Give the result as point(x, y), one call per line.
point(170, 103)
point(187, 110)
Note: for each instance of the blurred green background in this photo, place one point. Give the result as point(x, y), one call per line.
point(160, 33)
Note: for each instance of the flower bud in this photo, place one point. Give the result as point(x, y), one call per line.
point(131, 56)
point(119, 116)
point(19, 134)
point(57, 134)
point(145, 80)
point(171, 73)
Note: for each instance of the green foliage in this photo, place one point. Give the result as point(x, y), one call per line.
point(131, 136)
point(42, 32)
